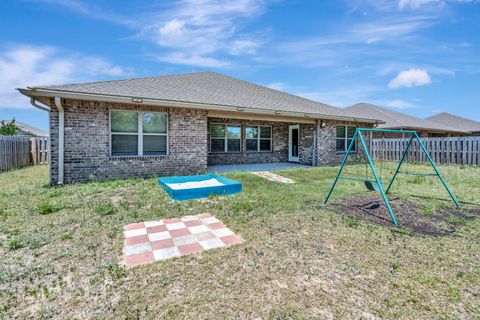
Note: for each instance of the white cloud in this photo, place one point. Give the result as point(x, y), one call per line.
point(399, 104)
point(402, 4)
point(193, 60)
point(410, 78)
point(194, 30)
point(23, 66)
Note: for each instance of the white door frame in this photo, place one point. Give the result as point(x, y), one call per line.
point(290, 157)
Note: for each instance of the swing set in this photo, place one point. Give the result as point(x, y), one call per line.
point(376, 184)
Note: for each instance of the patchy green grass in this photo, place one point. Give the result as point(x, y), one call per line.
point(61, 247)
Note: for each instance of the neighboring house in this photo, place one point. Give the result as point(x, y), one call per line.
point(398, 120)
point(27, 130)
point(180, 124)
point(461, 123)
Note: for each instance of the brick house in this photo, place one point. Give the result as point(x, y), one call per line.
point(181, 124)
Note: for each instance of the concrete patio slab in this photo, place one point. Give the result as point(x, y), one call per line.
point(256, 167)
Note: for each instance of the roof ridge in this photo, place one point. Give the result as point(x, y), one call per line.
point(382, 110)
point(125, 79)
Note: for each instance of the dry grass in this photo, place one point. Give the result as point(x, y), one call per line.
point(61, 248)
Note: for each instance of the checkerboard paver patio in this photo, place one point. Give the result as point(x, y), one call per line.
point(273, 177)
point(150, 241)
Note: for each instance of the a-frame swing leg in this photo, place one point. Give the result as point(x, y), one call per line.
point(377, 180)
point(436, 170)
point(399, 164)
point(350, 147)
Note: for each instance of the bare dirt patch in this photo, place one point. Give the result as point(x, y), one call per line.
point(412, 217)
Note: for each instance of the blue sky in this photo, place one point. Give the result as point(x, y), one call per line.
point(415, 56)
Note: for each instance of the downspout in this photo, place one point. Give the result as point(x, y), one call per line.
point(61, 135)
point(314, 149)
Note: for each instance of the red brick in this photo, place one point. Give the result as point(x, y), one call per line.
point(172, 220)
point(139, 258)
point(179, 232)
point(216, 225)
point(156, 229)
point(231, 239)
point(193, 223)
point(136, 240)
point(161, 244)
point(133, 226)
point(190, 248)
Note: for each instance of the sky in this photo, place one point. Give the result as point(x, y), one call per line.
point(415, 56)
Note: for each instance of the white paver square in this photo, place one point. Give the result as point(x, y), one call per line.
point(135, 232)
point(149, 224)
point(222, 232)
point(212, 243)
point(137, 248)
point(210, 220)
point(159, 236)
point(198, 229)
point(181, 241)
point(175, 226)
point(166, 253)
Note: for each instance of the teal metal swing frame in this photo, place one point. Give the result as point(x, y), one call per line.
point(377, 180)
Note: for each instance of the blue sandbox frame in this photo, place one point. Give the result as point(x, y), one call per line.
point(229, 187)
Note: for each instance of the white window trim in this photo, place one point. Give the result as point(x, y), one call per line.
point(225, 138)
point(345, 138)
point(139, 134)
point(259, 138)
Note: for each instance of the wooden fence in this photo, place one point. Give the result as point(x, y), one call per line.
point(17, 152)
point(455, 150)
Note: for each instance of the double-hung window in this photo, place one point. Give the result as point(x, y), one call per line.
point(225, 138)
point(258, 138)
point(138, 133)
point(344, 138)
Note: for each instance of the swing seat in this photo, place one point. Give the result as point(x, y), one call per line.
point(372, 185)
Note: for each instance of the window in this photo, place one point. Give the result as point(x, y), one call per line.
point(344, 138)
point(138, 133)
point(259, 138)
point(225, 138)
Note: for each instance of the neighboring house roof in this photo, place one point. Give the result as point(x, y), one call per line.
point(455, 121)
point(28, 130)
point(399, 120)
point(206, 90)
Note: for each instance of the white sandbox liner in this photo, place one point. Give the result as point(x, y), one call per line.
point(195, 184)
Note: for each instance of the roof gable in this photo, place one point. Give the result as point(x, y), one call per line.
point(455, 121)
point(397, 120)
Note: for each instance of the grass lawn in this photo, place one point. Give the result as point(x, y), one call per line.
point(61, 248)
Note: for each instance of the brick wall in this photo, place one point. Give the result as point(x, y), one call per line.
point(87, 143)
point(279, 151)
point(326, 143)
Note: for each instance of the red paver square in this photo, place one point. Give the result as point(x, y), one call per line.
point(179, 232)
point(172, 237)
point(139, 258)
point(133, 226)
point(231, 239)
point(172, 220)
point(156, 229)
point(190, 248)
point(136, 240)
point(216, 225)
point(193, 223)
point(162, 244)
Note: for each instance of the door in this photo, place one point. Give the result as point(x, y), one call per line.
point(293, 136)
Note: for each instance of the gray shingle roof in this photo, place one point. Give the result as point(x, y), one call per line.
point(455, 121)
point(398, 120)
point(205, 88)
point(28, 129)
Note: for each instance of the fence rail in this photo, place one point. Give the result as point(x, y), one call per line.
point(452, 150)
point(17, 152)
